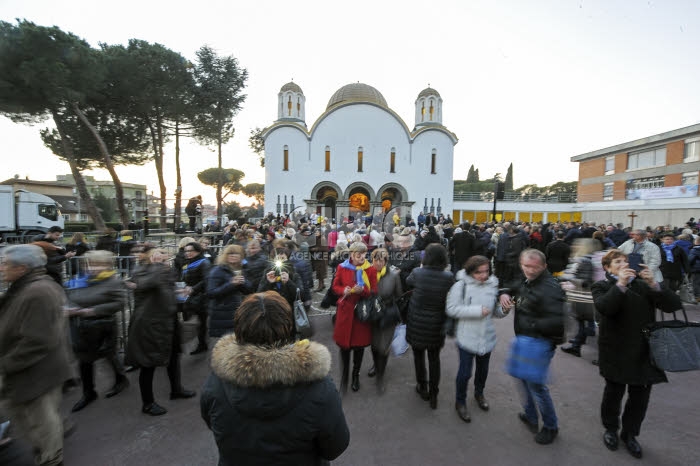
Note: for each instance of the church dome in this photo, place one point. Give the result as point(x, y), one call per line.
point(357, 92)
point(428, 91)
point(291, 86)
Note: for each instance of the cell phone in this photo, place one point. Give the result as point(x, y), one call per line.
point(635, 260)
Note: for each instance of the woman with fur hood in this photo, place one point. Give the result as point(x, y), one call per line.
point(473, 302)
point(269, 399)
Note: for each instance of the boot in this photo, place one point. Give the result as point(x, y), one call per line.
point(422, 390)
point(120, 384)
point(355, 380)
point(433, 397)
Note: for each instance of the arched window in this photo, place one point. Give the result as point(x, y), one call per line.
point(432, 109)
point(299, 107)
point(285, 160)
point(392, 161)
point(289, 106)
point(422, 111)
point(328, 159)
point(433, 156)
point(359, 158)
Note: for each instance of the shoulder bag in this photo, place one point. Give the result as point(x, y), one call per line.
point(301, 320)
point(369, 309)
point(674, 345)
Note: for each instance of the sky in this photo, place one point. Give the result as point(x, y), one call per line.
point(531, 83)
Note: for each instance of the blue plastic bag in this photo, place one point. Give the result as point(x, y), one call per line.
point(529, 359)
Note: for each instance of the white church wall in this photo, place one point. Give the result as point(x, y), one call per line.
point(422, 182)
point(278, 181)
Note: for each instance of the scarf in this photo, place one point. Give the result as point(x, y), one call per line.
point(192, 265)
point(104, 275)
point(668, 249)
point(361, 277)
point(381, 273)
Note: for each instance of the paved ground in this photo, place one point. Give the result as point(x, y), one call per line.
point(399, 428)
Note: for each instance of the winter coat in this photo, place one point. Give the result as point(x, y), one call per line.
point(678, 268)
point(406, 262)
point(463, 244)
point(305, 274)
point(287, 290)
point(623, 352)
point(539, 309)
point(254, 268)
point(618, 236)
point(650, 253)
point(33, 344)
point(153, 321)
point(389, 289)
point(99, 332)
point(426, 310)
point(224, 299)
point(694, 259)
point(273, 406)
point(349, 332)
point(475, 333)
point(196, 277)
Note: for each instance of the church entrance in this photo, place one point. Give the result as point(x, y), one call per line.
point(359, 202)
point(327, 198)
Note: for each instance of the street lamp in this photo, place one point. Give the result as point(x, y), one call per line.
point(75, 192)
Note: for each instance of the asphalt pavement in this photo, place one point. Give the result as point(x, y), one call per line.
point(398, 427)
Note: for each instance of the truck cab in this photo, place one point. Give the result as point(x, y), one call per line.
point(24, 213)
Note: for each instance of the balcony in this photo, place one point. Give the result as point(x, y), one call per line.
point(516, 197)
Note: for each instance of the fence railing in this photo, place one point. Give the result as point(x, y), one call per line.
point(515, 197)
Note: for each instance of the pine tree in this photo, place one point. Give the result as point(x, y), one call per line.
point(509, 178)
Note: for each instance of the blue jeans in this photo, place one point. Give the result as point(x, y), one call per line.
point(464, 373)
point(539, 393)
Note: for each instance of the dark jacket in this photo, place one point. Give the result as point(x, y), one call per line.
point(33, 343)
point(224, 299)
point(623, 352)
point(694, 259)
point(305, 274)
point(539, 309)
point(618, 236)
point(676, 269)
point(464, 246)
point(196, 277)
point(287, 290)
point(153, 321)
point(254, 267)
point(426, 311)
point(106, 297)
point(406, 262)
point(273, 406)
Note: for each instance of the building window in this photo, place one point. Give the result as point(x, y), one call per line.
point(328, 159)
point(83, 218)
point(608, 192)
point(359, 158)
point(633, 186)
point(692, 150)
point(610, 165)
point(689, 179)
point(392, 161)
point(285, 160)
point(66, 217)
point(647, 159)
point(432, 162)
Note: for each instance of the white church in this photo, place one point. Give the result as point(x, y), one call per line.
point(358, 157)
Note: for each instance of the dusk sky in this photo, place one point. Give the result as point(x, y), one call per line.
point(528, 82)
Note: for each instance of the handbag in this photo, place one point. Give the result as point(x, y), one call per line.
point(329, 299)
point(301, 320)
point(370, 309)
point(686, 292)
point(402, 303)
point(529, 358)
point(674, 345)
point(582, 306)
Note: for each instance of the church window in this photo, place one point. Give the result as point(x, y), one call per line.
point(392, 161)
point(289, 106)
point(285, 160)
point(299, 107)
point(432, 162)
point(328, 159)
point(359, 158)
point(422, 111)
point(432, 109)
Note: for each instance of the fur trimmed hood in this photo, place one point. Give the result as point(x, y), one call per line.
point(260, 367)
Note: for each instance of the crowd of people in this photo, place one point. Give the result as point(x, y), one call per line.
point(441, 280)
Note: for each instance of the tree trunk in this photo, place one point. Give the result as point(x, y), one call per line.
point(80, 185)
point(161, 179)
point(123, 215)
point(178, 181)
point(219, 186)
point(157, 160)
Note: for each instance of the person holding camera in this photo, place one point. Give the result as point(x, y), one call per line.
point(639, 250)
point(626, 301)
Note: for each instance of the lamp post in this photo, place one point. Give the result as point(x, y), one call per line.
point(75, 192)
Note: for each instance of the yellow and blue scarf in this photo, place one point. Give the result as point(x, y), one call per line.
point(360, 274)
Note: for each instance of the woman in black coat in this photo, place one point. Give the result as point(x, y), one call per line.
point(627, 303)
point(195, 273)
point(280, 277)
point(426, 318)
point(154, 337)
point(268, 399)
point(226, 288)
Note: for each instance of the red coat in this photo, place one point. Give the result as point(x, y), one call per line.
point(350, 332)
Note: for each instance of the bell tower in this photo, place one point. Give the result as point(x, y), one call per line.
point(428, 108)
point(291, 103)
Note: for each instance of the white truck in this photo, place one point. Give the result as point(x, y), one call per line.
point(24, 214)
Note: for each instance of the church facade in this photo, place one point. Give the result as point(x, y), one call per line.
point(358, 157)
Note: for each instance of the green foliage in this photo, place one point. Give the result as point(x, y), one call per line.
point(509, 178)
point(472, 176)
point(106, 206)
point(75, 227)
point(256, 191)
point(257, 144)
point(233, 210)
point(230, 176)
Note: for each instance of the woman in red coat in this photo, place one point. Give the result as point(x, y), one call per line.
point(354, 279)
